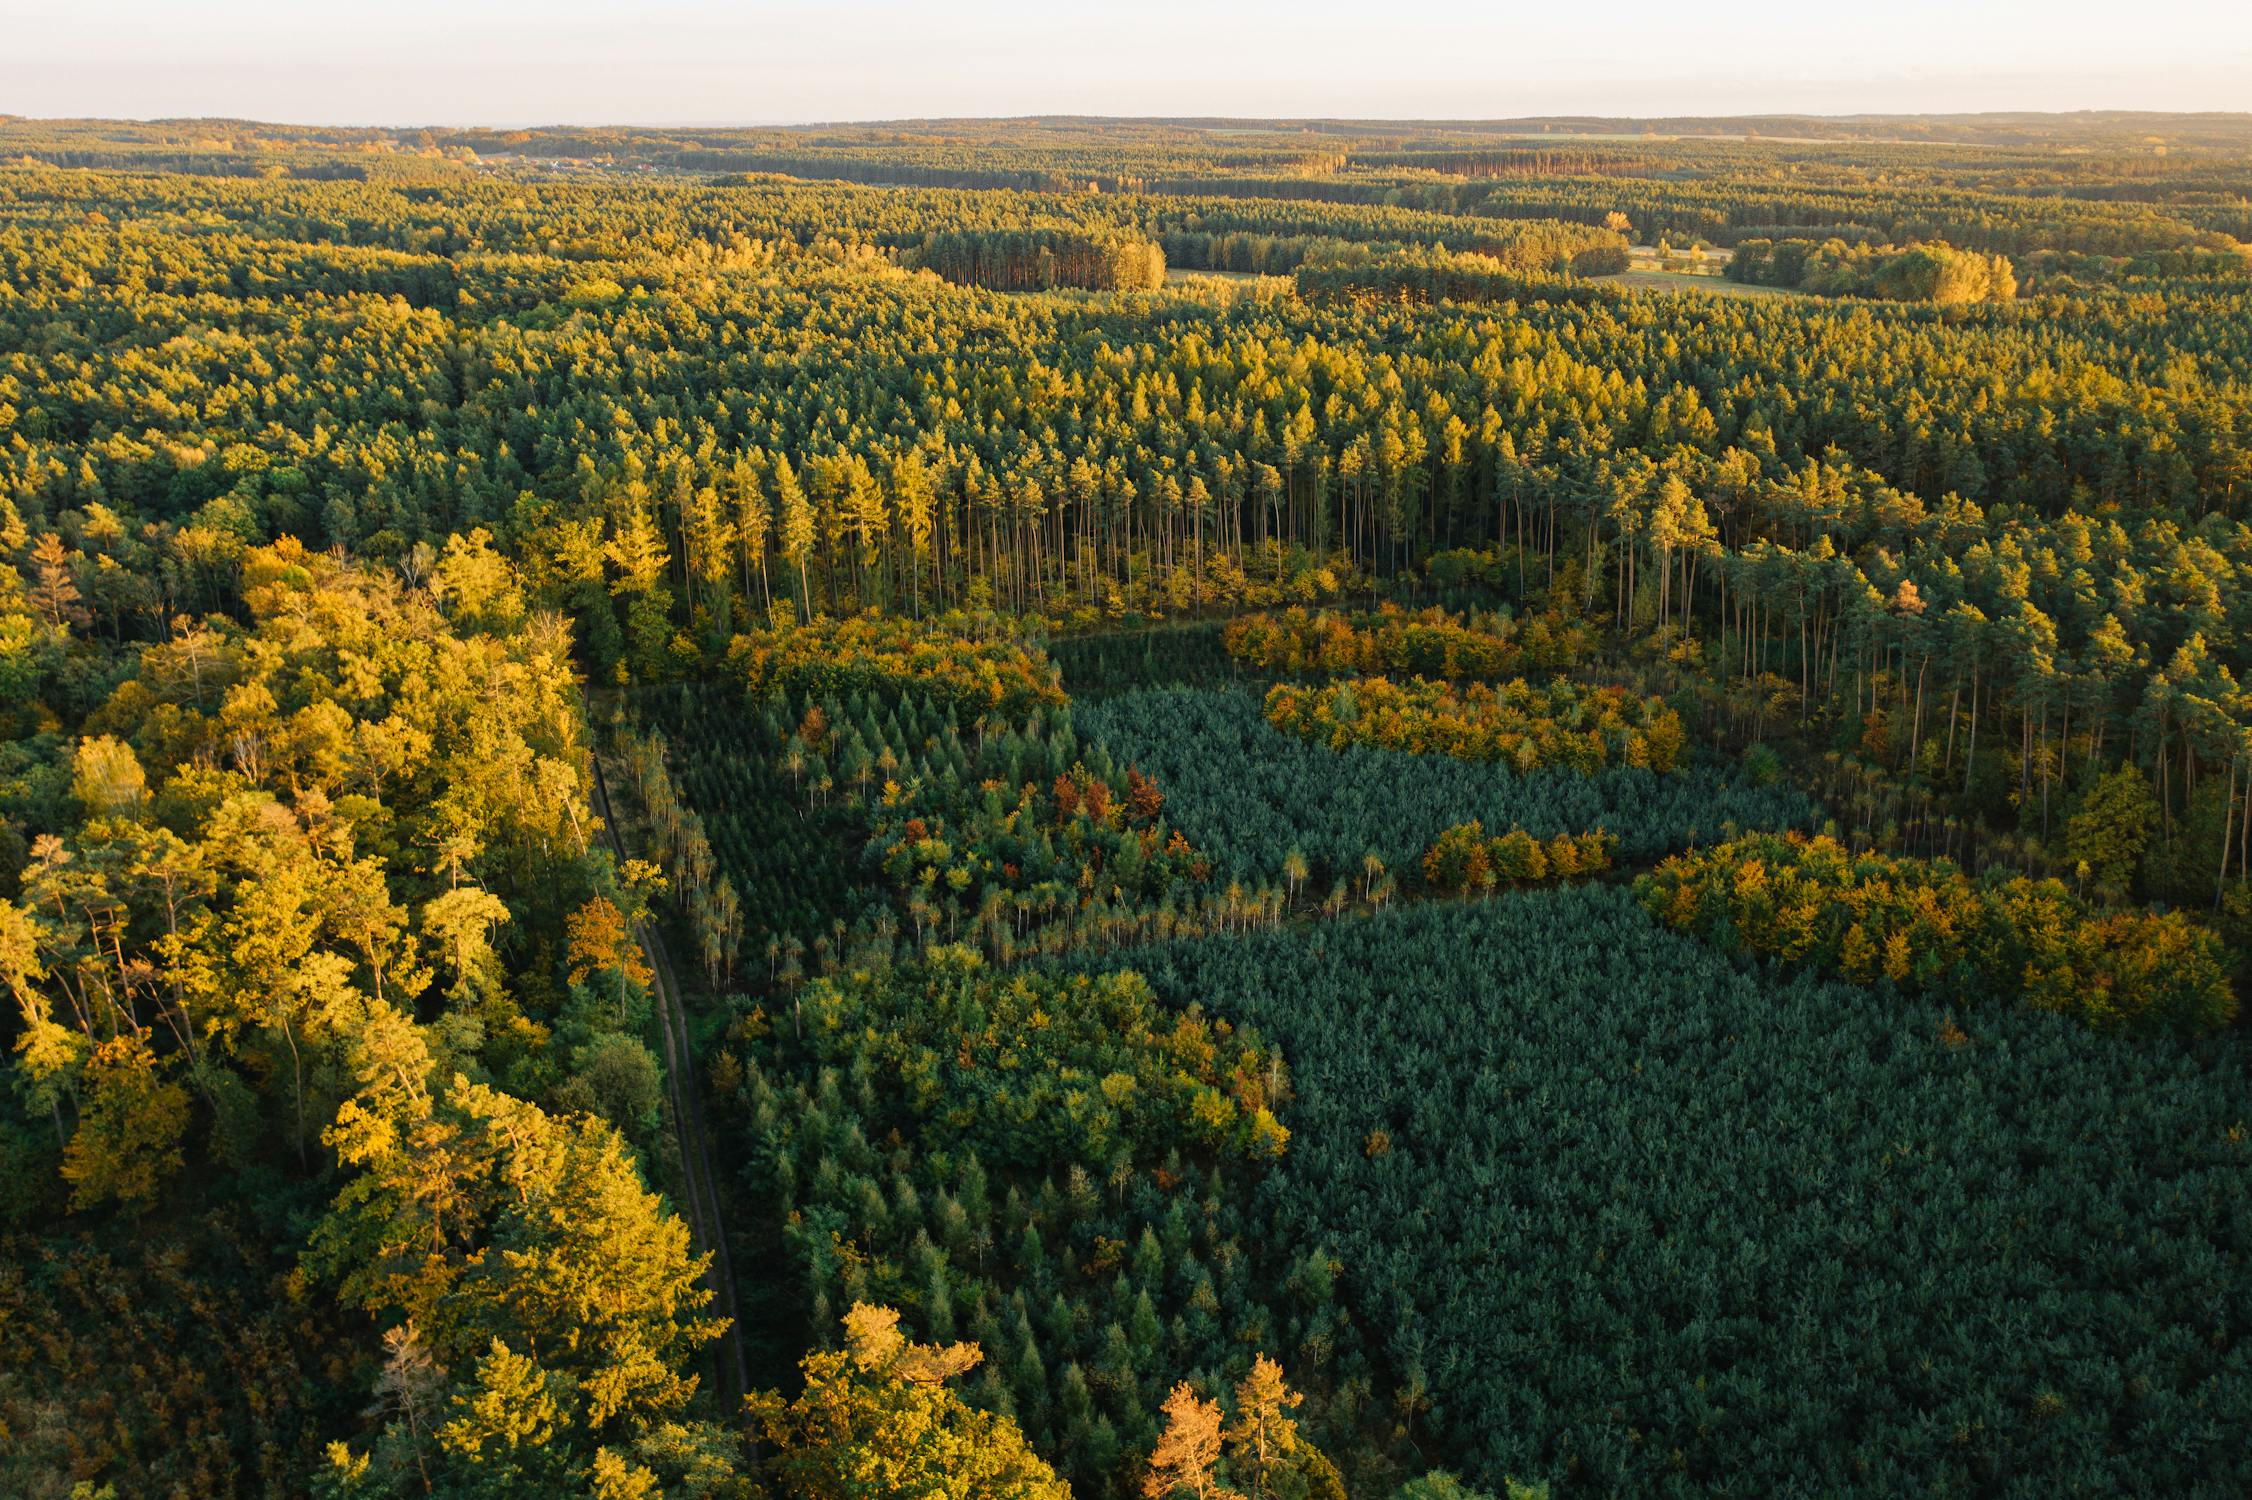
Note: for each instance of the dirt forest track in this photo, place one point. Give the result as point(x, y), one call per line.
point(706, 1224)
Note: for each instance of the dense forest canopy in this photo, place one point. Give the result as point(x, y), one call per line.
point(1266, 808)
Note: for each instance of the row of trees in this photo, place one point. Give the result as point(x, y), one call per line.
point(1465, 860)
point(1435, 642)
point(702, 893)
point(1925, 925)
point(973, 663)
point(1515, 723)
point(1422, 277)
point(1027, 260)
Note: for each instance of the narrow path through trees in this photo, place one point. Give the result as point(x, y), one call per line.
point(730, 1369)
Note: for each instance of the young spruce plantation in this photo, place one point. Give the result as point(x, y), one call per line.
point(1135, 810)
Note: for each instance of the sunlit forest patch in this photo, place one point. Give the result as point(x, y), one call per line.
point(1126, 808)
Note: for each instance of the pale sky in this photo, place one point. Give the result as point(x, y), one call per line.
point(672, 62)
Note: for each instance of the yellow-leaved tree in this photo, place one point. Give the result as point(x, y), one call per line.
point(876, 1421)
point(1255, 1453)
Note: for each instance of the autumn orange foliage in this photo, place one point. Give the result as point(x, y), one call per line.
point(1926, 925)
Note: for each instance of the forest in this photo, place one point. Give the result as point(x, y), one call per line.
point(1247, 810)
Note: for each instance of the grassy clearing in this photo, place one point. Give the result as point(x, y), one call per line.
point(1225, 283)
point(1679, 281)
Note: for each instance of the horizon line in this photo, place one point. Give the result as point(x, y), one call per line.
point(1187, 120)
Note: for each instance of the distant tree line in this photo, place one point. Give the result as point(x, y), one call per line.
point(1027, 260)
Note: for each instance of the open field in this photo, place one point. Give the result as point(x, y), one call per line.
point(1679, 281)
point(1230, 278)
